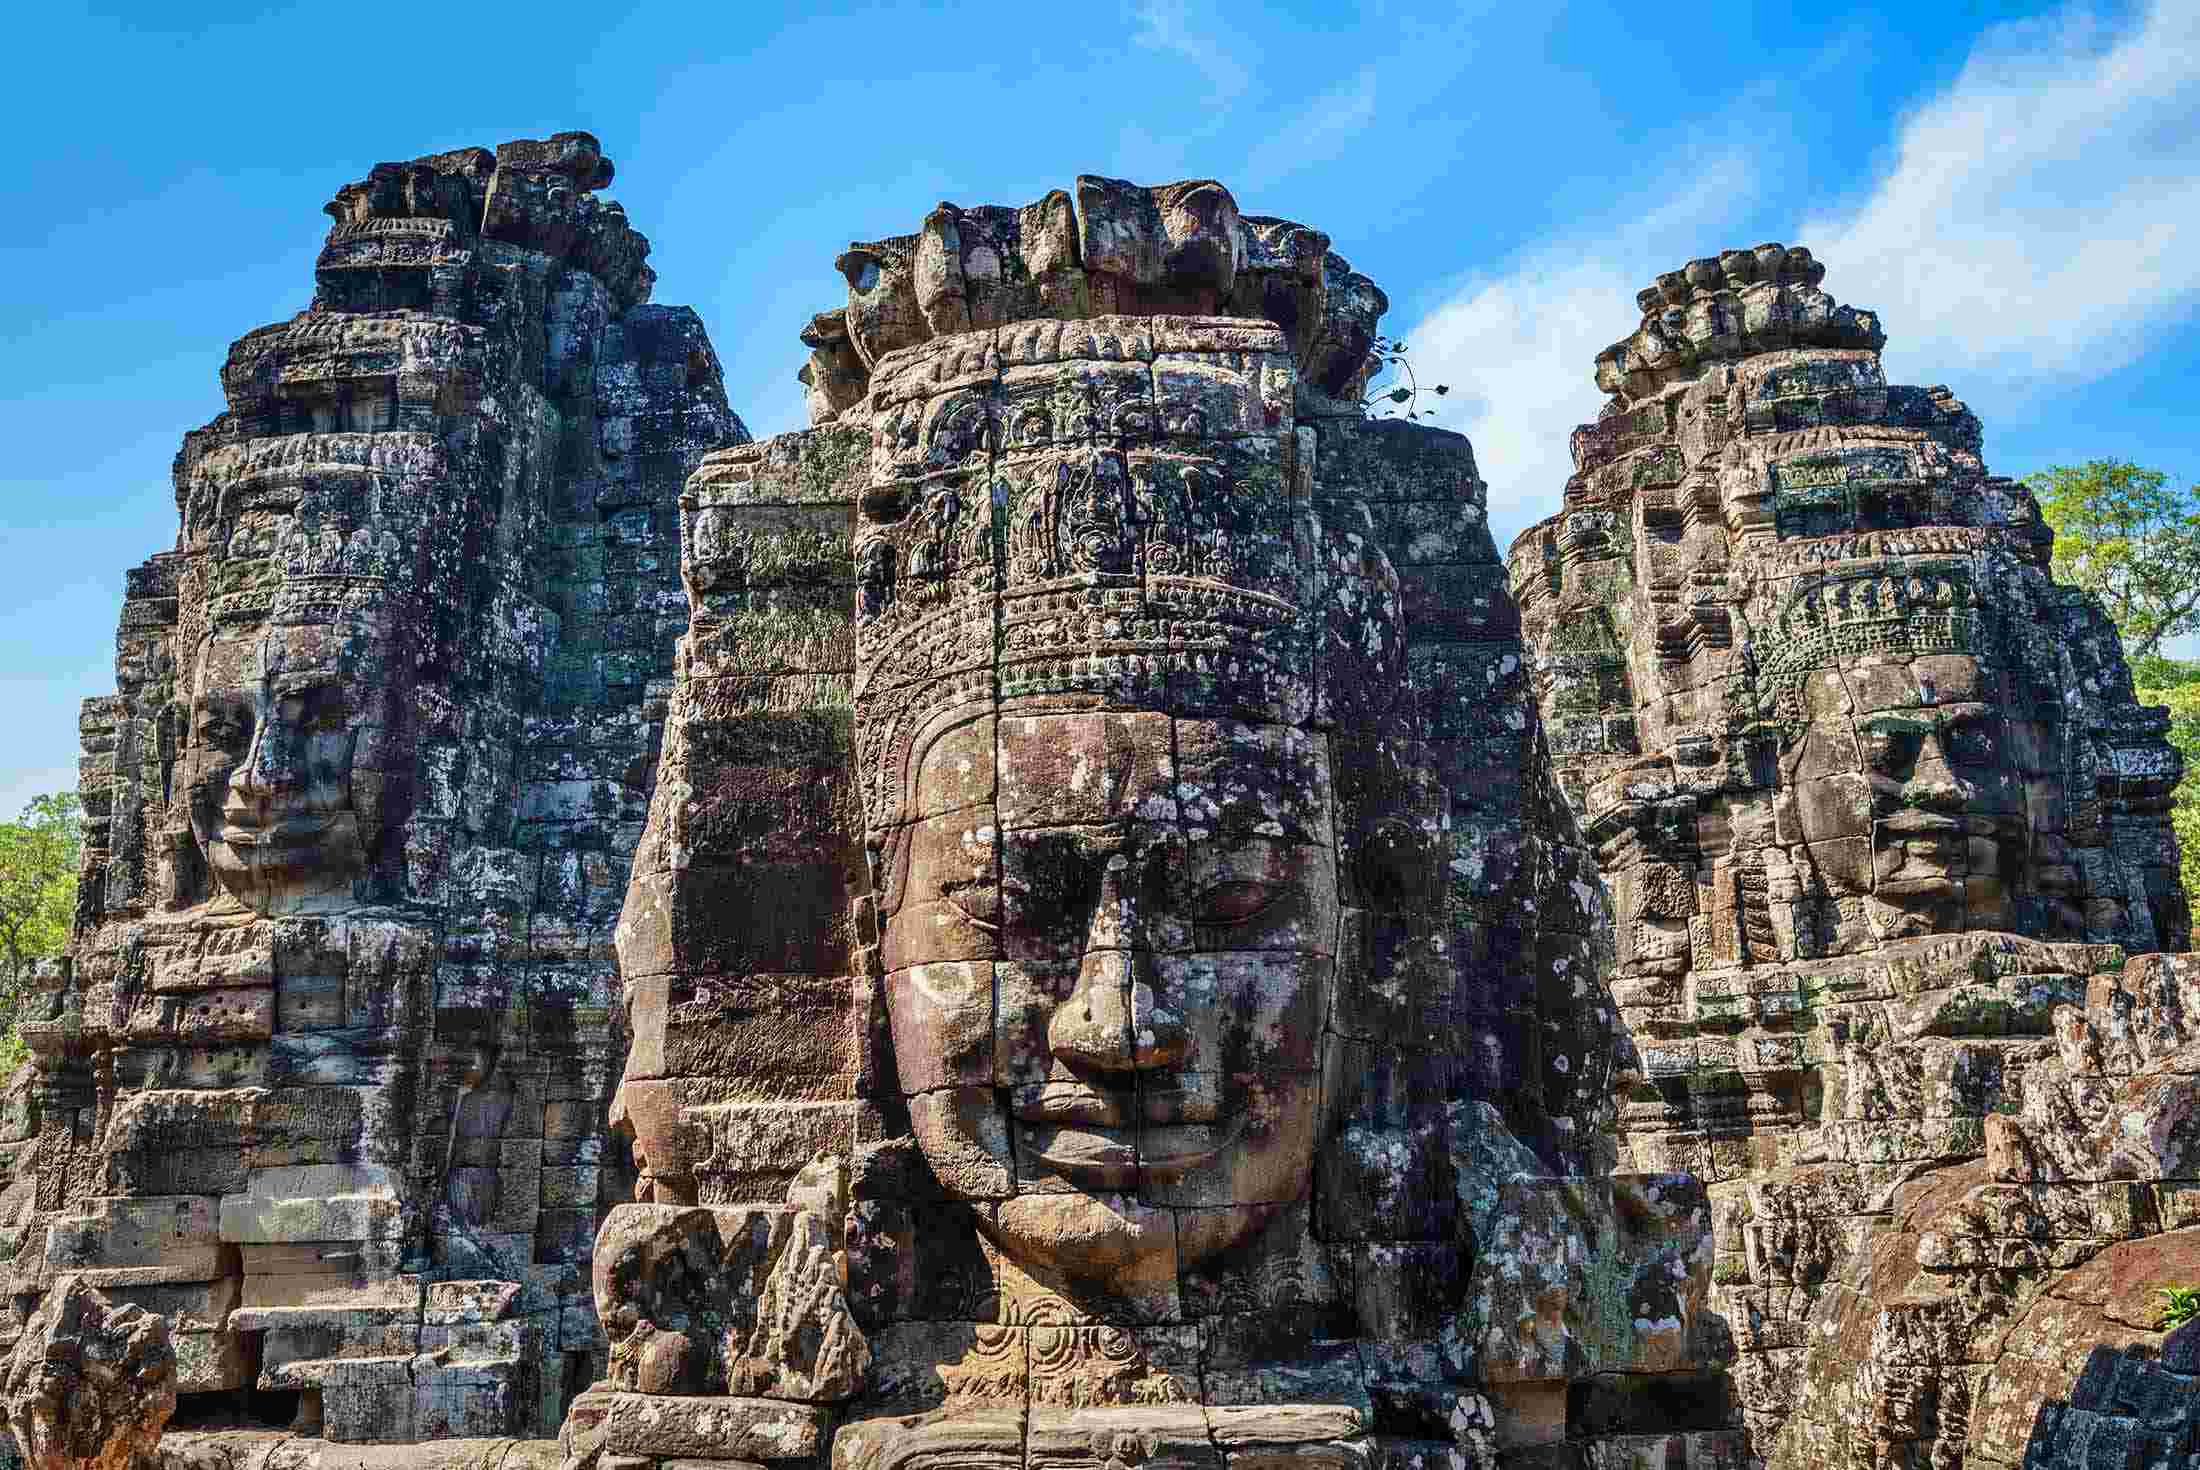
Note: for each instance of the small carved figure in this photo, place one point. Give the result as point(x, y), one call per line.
point(90, 1385)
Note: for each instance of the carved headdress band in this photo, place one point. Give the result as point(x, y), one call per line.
point(298, 571)
point(1898, 609)
point(314, 531)
point(1128, 523)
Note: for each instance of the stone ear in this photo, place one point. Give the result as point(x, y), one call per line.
point(1397, 867)
point(184, 874)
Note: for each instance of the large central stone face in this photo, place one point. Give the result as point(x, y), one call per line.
point(285, 727)
point(1098, 882)
point(1074, 565)
point(1911, 783)
point(1160, 993)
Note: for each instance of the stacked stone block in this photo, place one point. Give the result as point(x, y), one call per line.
point(1092, 578)
point(325, 1078)
point(1881, 823)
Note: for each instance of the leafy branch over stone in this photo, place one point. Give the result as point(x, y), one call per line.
point(1403, 389)
point(2123, 533)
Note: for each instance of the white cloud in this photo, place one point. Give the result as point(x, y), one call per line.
point(1516, 354)
point(2039, 223)
point(1320, 132)
point(1168, 26)
point(1518, 350)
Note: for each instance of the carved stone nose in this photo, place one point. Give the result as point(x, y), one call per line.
point(1933, 783)
point(257, 774)
point(1111, 1022)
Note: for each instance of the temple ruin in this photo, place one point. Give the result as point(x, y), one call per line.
point(1075, 912)
point(1884, 828)
point(325, 1081)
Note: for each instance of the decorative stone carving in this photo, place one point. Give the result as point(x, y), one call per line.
point(89, 1385)
point(325, 1080)
point(734, 1299)
point(1976, 1319)
point(1097, 805)
point(1120, 249)
point(1881, 821)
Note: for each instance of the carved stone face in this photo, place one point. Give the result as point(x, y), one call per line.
point(282, 802)
point(1109, 945)
point(1907, 784)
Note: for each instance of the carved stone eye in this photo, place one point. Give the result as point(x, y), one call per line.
point(1184, 421)
point(221, 727)
point(1397, 865)
point(1232, 902)
point(325, 711)
point(981, 903)
point(1971, 743)
point(1890, 751)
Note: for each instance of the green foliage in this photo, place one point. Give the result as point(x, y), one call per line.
point(2158, 673)
point(2180, 1304)
point(2176, 683)
point(2124, 535)
point(39, 853)
point(1402, 390)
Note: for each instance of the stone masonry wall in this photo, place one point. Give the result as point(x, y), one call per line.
point(1882, 823)
point(324, 1079)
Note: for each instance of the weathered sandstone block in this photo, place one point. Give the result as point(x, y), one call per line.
point(1882, 826)
point(90, 1385)
point(1100, 805)
point(335, 1036)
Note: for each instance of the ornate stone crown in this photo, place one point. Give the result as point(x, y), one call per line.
point(1168, 251)
point(1889, 608)
point(1112, 511)
point(310, 527)
point(1730, 305)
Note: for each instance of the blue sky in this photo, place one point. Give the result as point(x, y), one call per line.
point(2015, 188)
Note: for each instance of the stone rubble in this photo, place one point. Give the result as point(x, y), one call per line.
point(89, 1385)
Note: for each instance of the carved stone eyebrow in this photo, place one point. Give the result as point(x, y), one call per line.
point(308, 682)
point(1234, 829)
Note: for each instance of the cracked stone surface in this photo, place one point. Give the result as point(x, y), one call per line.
point(1100, 819)
point(324, 1079)
point(1074, 913)
point(1885, 835)
point(89, 1384)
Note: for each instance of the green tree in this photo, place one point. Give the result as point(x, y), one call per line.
point(2123, 534)
point(38, 861)
point(2176, 683)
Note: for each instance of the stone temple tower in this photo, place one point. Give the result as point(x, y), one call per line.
point(1883, 827)
point(324, 1078)
point(1109, 983)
